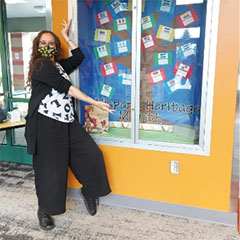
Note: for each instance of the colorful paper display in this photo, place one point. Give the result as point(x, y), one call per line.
point(102, 35)
point(125, 78)
point(176, 84)
point(166, 6)
point(148, 22)
point(164, 58)
point(118, 6)
point(122, 24)
point(106, 2)
point(103, 17)
point(106, 90)
point(156, 76)
point(166, 33)
point(187, 18)
point(102, 51)
point(186, 50)
point(122, 47)
point(148, 41)
point(183, 70)
point(108, 69)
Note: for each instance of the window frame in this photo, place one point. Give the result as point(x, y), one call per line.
point(208, 78)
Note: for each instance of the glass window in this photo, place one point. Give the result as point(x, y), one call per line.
point(150, 61)
point(106, 73)
point(172, 41)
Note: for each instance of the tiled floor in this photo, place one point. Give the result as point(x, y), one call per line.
point(18, 205)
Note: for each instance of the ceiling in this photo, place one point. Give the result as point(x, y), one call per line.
point(25, 10)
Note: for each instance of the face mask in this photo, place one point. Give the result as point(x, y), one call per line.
point(47, 51)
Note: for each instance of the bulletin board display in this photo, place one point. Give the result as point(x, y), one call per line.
point(172, 47)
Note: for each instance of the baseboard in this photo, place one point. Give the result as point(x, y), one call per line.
point(177, 210)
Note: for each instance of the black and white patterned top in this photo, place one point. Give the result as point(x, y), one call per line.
point(58, 106)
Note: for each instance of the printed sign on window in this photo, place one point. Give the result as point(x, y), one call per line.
point(103, 17)
point(166, 6)
point(102, 51)
point(156, 76)
point(106, 90)
point(148, 41)
point(125, 78)
point(122, 47)
point(148, 22)
point(183, 70)
point(166, 33)
point(106, 2)
point(186, 50)
point(187, 18)
point(164, 58)
point(176, 84)
point(108, 69)
point(118, 6)
point(102, 35)
point(121, 24)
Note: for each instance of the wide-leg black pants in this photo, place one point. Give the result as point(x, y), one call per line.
point(60, 145)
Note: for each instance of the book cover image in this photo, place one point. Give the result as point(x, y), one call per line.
point(96, 120)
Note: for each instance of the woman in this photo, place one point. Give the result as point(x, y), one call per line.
point(53, 133)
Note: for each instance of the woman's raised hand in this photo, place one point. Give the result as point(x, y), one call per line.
point(65, 29)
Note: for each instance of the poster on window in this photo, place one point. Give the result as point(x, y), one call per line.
point(172, 55)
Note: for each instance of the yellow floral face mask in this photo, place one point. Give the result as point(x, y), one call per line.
point(47, 51)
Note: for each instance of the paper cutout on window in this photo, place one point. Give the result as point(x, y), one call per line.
point(89, 3)
point(122, 47)
point(108, 69)
point(186, 50)
point(106, 2)
point(156, 76)
point(148, 41)
point(125, 78)
point(148, 22)
point(102, 35)
point(103, 17)
point(176, 84)
point(164, 58)
point(102, 51)
point(166, 6)
point(106, 90)
point(166, 33)
point(183, 70)
point(118, 6)
point(121, 24)
point(187, 18)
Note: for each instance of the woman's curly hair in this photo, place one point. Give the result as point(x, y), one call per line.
point(36, 56)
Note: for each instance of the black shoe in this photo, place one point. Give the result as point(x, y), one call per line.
point(45, 220)
point(90, 203)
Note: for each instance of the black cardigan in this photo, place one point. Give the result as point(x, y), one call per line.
point(46, 76)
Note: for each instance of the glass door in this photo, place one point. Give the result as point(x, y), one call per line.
point(20, 21)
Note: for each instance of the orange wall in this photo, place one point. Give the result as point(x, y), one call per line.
point(203, 181)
